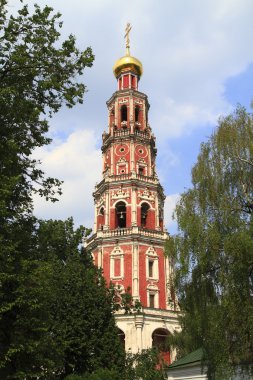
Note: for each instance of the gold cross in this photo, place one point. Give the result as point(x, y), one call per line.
point(127, 30)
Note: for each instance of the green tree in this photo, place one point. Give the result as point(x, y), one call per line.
point(145, 365)
point(81, 306)
point(214, 249)
point(38, 74)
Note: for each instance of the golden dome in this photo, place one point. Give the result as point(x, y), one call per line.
point(127, 63)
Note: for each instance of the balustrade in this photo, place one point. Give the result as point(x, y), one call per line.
point(119, 232)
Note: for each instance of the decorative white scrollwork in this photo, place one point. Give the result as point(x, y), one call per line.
point(120, 194)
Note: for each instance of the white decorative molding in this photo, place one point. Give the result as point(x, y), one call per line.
point(151, 251)
point(121, 160)
point(100, 201)
point(125, 100)
point(111, 108)
point(152, 288)
point(119, 194)
point(147, 195)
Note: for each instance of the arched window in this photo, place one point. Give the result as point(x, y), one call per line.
point(121, 336)
point(144, 214)
point(120, 214)
point(159, 340)
point(123, 112)
point(101, 218)
point(137, 113)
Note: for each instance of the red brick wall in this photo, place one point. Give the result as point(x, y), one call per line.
point(126, 81)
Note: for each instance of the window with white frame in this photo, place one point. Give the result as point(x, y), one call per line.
point(117, 263)
point(152, 272)
point(122, 166)
point(153, 296)
point(142, 167)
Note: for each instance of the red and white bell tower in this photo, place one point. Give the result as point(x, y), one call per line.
point(129, 234)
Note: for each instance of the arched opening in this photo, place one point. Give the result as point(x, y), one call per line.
point(101, 218)
point(121, 336)
point(144, 214)
point(112, 116)
point(123, 111)
point(133, 80)
point(120, 214)
point(160, 340)
point(137, 113)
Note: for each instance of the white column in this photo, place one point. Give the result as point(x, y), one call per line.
point(131, 108)
point(132, 156)
point(95, 219)
point(167, 278)
point(149, 162)
point(139, 325)
point(112, 160)
point(100, 257)
point(134, 207)
point(109, 112)
point(116, 111)
point(144, 114)
point(107, 209)
point(135, 256)
point(157, 211)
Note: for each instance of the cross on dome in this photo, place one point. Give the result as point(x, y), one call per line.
point(128, 62)
point(127, 30)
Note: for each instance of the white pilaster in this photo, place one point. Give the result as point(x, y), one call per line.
point(134, 207)
point(157, 212)
point(139, 325)
point(107, 209)
point(135, 249)
point(112, 159)
point(132, 156)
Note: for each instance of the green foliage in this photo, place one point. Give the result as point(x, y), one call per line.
point(100, 374)
point(61, 320)
point(146, 365)
point(214, 250)
point(82, 325)
point(37, 76)
point(124, 300)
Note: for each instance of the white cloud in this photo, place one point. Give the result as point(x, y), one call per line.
point(77, 162)
point(169, 208)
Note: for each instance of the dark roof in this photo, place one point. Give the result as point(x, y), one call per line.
point(193, 357)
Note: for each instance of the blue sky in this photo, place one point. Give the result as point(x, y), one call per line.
point(198, 64)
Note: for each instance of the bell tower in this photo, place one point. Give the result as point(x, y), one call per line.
point(129, 234)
